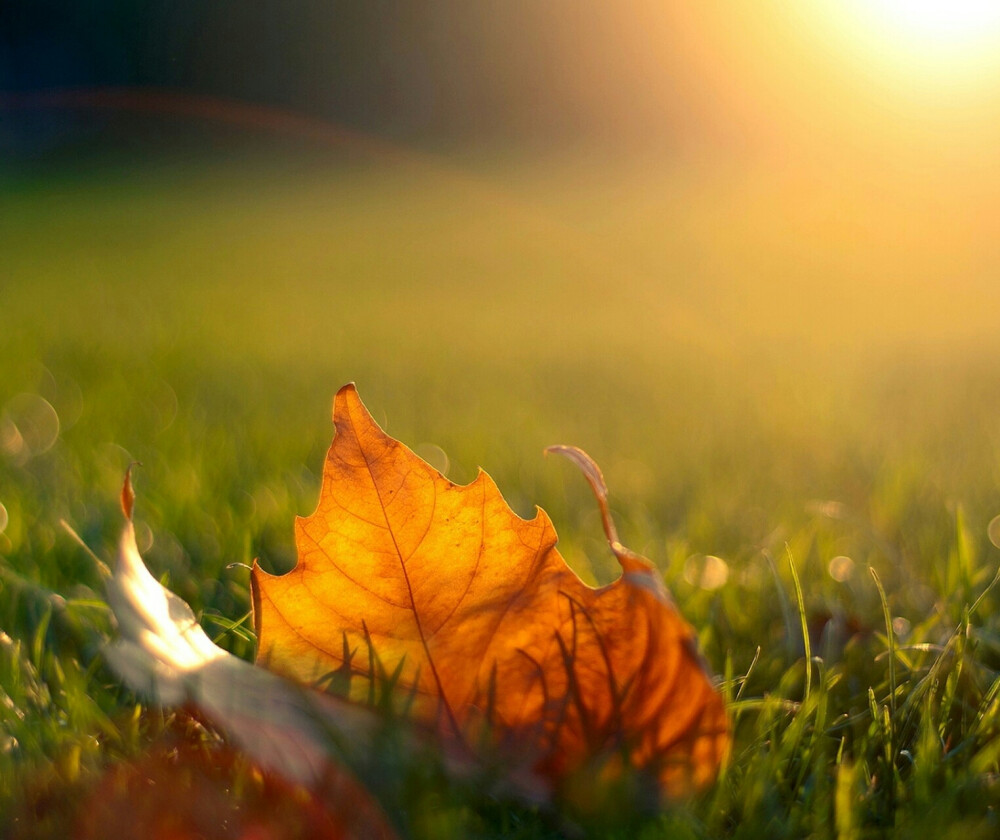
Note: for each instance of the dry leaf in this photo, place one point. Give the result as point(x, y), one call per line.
point(475, 613)
point(163, 653)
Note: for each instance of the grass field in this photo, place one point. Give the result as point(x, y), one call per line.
point(772, 368)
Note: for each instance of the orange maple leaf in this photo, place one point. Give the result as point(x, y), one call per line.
point(479, 618)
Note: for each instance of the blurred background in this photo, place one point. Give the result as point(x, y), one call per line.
point(745, 253)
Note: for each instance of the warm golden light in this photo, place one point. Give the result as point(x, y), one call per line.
point(940, 42)
point(940, 21)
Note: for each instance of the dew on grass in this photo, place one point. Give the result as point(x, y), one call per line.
point(841, 568)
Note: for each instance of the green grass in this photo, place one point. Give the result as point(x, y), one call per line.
point(746, 375)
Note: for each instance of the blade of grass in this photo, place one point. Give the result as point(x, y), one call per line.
point(890, 639)
point(805, 625)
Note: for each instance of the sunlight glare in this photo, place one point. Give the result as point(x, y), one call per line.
point(935, 25)
point(941, 20)
point(950, 46)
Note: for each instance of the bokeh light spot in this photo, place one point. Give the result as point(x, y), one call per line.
point(841, 568)
point(435, 456)
point(993, 530)
point(29, 426)
point(706, 571)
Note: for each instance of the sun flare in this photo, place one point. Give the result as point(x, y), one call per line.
point(945, 46)
point(939, 22)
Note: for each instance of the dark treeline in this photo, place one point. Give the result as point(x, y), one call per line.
point(435, 68)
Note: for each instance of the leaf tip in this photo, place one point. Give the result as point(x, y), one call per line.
point(345, 394)
point(349, 409)
point(128, 493)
